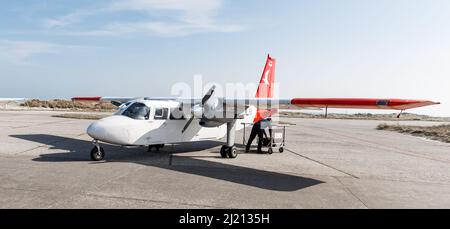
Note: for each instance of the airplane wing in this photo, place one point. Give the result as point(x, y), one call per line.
point(362, 103)
point(266, 104)
point(295, 103)
point(353, 103)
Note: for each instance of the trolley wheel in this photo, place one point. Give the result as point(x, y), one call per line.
point(97, 155)
point(281, 150)
point(270, 150)
point(223, 151)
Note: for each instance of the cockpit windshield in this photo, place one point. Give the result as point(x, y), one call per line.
point(137, 111)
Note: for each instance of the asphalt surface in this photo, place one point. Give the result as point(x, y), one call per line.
point(44, 163)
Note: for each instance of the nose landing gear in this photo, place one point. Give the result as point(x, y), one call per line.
point(97, 153)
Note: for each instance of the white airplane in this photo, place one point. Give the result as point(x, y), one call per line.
point(154, 122)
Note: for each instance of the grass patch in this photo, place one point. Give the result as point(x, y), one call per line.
point(69, 105)
point(440, 132)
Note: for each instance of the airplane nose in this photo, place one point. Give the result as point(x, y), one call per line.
point(109, 130)
point(96, 131)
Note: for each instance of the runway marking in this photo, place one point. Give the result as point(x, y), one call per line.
point(321, 163)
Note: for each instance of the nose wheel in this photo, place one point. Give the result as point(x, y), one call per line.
point(97, 153)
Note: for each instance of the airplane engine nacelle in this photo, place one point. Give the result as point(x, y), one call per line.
point(210, 123)
point(207, 110)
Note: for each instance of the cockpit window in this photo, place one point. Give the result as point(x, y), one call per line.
point(137, 111)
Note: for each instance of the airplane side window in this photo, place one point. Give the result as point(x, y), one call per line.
point(161, 113)
point(176, 114)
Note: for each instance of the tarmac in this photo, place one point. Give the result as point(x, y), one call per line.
point(45, 163)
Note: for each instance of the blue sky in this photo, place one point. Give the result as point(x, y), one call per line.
point(324, 48)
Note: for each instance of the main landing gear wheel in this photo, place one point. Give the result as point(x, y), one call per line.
point(230, 152)
point(97, 155)
point(281, 150)
point(223, 151)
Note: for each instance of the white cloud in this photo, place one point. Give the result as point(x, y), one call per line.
point(195, 12)
point(19, 52)
point(164, 29)
point(68, 19)
point(189, 5)
point(181, 18)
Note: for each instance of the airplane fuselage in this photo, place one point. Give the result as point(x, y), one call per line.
point(159, 126)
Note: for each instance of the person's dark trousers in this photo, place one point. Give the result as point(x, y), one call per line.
point(260, 141)
point(256, 131)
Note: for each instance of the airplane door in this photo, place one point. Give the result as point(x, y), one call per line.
point(159, 135)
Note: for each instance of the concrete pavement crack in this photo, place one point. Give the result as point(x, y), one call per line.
point(376, 145)
point(46, 145)
point(85, 192)
point(149, 200)
point(321, 163)
point(350, 191)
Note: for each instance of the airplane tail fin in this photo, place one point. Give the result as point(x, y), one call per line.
point(266, 87)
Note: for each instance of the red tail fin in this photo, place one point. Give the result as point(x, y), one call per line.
point(266, 86)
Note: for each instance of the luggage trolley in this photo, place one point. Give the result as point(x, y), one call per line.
point(278, 137)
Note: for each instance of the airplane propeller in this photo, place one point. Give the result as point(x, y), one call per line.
point(115, 103)
point(205, 99)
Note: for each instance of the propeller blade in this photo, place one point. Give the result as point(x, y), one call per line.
point(188, 124)
point(115, 103)
point(208, 94)
point(205, 99)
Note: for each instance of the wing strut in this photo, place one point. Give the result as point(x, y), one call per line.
point(399, 114)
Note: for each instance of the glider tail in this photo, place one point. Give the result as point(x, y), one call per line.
point(266, 87)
